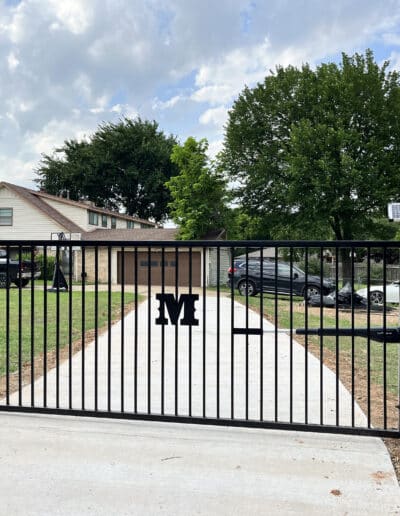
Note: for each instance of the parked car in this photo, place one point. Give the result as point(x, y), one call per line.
point(15, 271)
point(252, 276)
point(375, 293)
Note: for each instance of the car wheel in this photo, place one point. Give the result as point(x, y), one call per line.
point(376, 297)
point(312, 291)
point(21, 282)
point(247, 287)
point(4, 282)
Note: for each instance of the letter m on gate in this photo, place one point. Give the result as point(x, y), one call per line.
point(174, 307)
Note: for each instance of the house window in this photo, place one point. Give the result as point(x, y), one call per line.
point(93, 218)
point(104, 221)
point(6, 216)
point(129, 224)
point(113, 223)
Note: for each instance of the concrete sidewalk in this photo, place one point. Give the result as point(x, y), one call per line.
point(58, 465)
point(74, 466)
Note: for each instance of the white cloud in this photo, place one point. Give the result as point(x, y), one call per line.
point(214, 147)
point(66, 66)
point(167, 104)
point(213, 94)
point(52, 134)
point(216, 116)
point(392, 38)
point(395, 61)
point(12, 61)
point(74, 15)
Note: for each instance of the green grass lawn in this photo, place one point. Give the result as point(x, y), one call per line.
point(349, 349)
point(56, 313)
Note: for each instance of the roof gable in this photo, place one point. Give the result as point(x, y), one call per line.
point(37, 199)
point(28, 195)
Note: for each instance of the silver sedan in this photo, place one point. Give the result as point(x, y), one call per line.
point(375, 293)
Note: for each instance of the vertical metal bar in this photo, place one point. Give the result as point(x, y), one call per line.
point(8, 325)
point(262, 335)
point(109, 317)
point(321, 340)
point(136, 332)
point(353, 385)
point(384, 343)
point(70, 324)
point(190, 330)
point(291, 339)
point(176, 332)
point(369, 338)
point(218, 329)
point(149, 331)
point(83, 330)
point(247, 340)
point(276, 323)
point(45, 265)
point(122, 328)
point(163, 335)
point(96, 328)
point(20, 315)
point(57, 326)
point(232, 336)
point(32, 257)
point(337, 368)
point(204, 331)
point(306, 339)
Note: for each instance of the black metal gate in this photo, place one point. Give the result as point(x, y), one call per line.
point(297, 335)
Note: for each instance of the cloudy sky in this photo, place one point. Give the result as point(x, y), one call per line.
point(68, 65)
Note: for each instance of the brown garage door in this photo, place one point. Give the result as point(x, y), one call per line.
point(172, 263)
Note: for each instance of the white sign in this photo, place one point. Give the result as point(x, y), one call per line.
point(394, 211)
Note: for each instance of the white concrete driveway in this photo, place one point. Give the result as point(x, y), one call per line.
point(61, 465)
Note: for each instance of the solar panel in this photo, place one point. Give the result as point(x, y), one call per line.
point(394, 211)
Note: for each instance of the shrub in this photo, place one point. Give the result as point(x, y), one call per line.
point(48, 271)
point(314, 267)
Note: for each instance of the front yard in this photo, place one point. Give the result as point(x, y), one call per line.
point(42, 322)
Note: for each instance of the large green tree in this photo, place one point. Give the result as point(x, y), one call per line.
point(122, 165)
point(316, 152)
point(198, 192)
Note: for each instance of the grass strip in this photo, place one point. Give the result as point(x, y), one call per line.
point(50, 314)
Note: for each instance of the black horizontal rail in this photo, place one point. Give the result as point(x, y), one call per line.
point(241, 423)
point(285, 244)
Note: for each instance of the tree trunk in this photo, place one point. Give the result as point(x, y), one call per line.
point(347, 272)
point(343, 233)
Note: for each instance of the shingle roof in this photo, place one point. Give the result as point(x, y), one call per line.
point(156, 234)
point(35, 198)
point(91, 207)
point(131, 234)
point(37, 202)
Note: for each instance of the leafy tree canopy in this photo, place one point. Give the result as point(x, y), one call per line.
point(316, 153)
point(198, 192)
point(122, 165)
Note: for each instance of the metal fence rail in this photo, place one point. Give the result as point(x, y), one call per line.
point(253, 333)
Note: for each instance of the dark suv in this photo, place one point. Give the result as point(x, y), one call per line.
point(14, 271)
point(247, 278)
